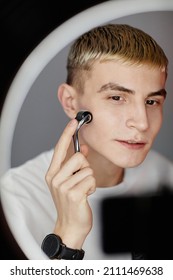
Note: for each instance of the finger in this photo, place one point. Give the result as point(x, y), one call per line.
point(71, 181)
point(62, 146)
point(75, 193)
point(77, 162)
point(83, 189)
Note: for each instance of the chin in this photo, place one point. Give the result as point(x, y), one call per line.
point(131, 161)
point(132, 165)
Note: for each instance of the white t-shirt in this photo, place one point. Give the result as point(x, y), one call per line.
point(31, 214)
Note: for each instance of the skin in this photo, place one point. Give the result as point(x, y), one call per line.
point(127, 106)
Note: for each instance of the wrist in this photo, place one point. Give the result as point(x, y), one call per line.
point(70, 239)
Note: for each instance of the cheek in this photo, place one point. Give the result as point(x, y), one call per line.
point(156, 121)
point(103, 121)
point(97, 129)
point(155, 127)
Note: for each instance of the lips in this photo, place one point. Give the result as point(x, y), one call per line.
point(132, 144)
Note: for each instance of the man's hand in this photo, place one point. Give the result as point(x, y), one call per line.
point(70, 182)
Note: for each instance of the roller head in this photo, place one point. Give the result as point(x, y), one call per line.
point(86, 116)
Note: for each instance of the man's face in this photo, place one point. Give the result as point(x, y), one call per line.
point(126, 102)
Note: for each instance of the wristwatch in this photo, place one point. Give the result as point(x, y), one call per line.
point(54, 248)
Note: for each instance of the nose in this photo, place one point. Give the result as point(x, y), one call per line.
point(138, 118)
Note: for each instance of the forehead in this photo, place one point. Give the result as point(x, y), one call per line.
point(137, 78)
point(126, 73)
point(123, 65)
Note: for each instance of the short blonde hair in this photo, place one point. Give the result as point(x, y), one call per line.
point(112, 42)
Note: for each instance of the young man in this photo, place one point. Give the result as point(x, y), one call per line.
point(118, 73)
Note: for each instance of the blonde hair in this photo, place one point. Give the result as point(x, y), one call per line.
point(112, 42)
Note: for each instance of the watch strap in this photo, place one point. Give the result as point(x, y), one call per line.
point(70, 254)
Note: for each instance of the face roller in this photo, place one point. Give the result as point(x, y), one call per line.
point(83, 117)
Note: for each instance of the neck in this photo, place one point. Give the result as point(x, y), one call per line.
point(106, 173)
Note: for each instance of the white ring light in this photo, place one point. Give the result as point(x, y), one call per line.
point(49, 47)
point(41, 56)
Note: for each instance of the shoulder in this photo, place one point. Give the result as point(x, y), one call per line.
point(154, 173)
point(41, 161)
point(27, 203)
point(30, 173)
point(160, 167)
point(158, 159)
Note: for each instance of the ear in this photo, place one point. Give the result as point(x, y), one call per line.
point(67, 97)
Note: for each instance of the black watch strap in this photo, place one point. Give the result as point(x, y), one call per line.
point(54, 248)
point(70, 254)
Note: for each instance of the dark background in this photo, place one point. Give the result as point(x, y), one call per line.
point(23, 25)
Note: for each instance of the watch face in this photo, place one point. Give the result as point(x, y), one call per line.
point(51, 245)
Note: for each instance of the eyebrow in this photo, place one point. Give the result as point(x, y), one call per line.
point(117, 87)
point(161, 92)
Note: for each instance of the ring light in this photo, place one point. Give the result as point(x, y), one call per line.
point(43, 54)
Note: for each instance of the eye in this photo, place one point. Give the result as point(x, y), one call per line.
point(156, 101)
point(151, 102)
point(116, 98)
